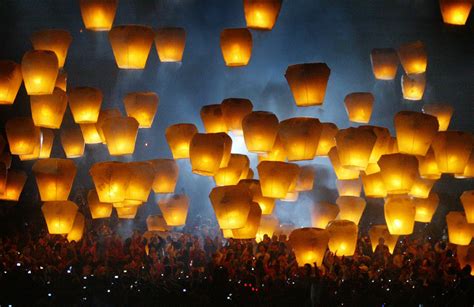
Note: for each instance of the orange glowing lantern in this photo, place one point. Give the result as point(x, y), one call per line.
point(36, 152)
point(377, 232)
point(309, 245)
point(231, 205)
point(305, 179)
point(59, 216)
point(459, 231)
point(40, 70)
point(267, 204)
point(372, 168)
point(209, 152)
point(400, 214)
point(359, 107)
point(468, 170)
point(120, 135)
point(268, 225)
point(426, 207)
point(308, 83)
point(467, 199)
point(323, 213)
point(341, 172)
point(413, 86)
point(77, 229)
point(142, 106)
point(381, 146)
point(174, 209)
point(354, 146)
point(103, 116)
point(260, 130)
point(98, 15)
point(300, 137)
point(98, 209)
point(54, 178)
point(351, 187)
point(54, 40)
point(85, 103)
point(342, 237)
point(351, 208)
point(179, 139)
point(249, 231)
point(393, 147)
point(166, 175)
point(90, 134)
point(127, 212)
point(452, 150)
point(14, 186)
point(73, 142)
point(413, 57)
point(140, 181)
point(61, 80)
point(277, 178)
point(442, 112)
point(277, 153)
point(170, 43)
point(156, 223)
point(261, 14)
point(455, 12)
point(10, 81)
point(233, 172)
point(213, 118)
point(399, 172)
point(48, 110)
point(415, 132)
point(384, 63)
point(427, 166)
point(131, 45)
point(22, 135)
point(374, 186)
point(234, 111)
point(111, 180)
point(327, 139)
point(236, 46)
point(421, 187)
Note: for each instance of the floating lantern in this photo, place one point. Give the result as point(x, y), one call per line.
point(427, 166)
point(73, 142)
point(267, 204)
point(231, 205)
point(413, 86)
point(110, 180)
point(131, 45)
point(48, 110)
point(54, 40)
point(452, 150)
point(85, 103)
point(140, 182)
point(236, 46)
point(98, 15)
point(374, 186)
point(261, 14)
point(10, 81)
point(322, 213)
point(305, 179)
point(382, 144)
point(327, 139)
point(309, 245)
point(22, 135)
point(234, 111)
point(421, 187)
point(277, 178)
point(36, 152)
point(415, 132)
point(308, 83)
point(14, 186)
point(351, 208)
point(98, 209)
point(468, 170)
point(426, 207)
point(179, 139)
point(268, 225)
point(393, 147)
point(90, 134)
point(103, 116)
point(260, 130)
point(127, 212)
point(174, 209)
point(300, 137)
point(341, 172)
point(249, 231)
point(47, 145)
point(372, 168)
point(359, 107)
point(455, 12)
point(277, 153)
point(61, 80)
point(400, 214)
point(351, 187)
point(59, 216)
point(354, 146)
point(40, 70)
point(442, 112)
point(213, 118)
point(156, 223)
point(142, 106)
point(54, 178)
point(459, 231)
point(377, 232)
point(209, 152)
point(77, 229)
point(399, 172)
point(413, 57)
point(166, 175)
point(170, 43)
point(467, 199)
point(342, 237)
point(120, 135)
point(384, 63)
point(232, 173)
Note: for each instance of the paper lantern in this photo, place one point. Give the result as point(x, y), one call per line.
point(10, 81)
point(48, 110)
point(300, 137)
point(421, 187)
point(468, 169)
point(415, 132)
point(209, 152)
point(236, 46)
point(103, 116)
point(260, 130)
point(305, 179)
point(351, 187)
point(14, 186)
point(98, 15)
point(372, 168)
point(467, 199)
point(179, 138)
point(261, 14)
point(400, 214)
point(327, 139)
point(120, 135)
point(127, 212)
point(22, 135)
point(359, 106)
point(377, 232)
point(452, 150)
point(47, 144)
point(85, 103)
point(170, 44)
point(341, 172)
point(61, 80)
point(213, 118)
point(267, 204)
point(384, 63)
point(59, 216)
point(459, 231)
point(374, 186)
point(382, 143)
point(72, 142)
point(342, 237)
point(249, 231)
point(426, 207)
point(232, 173)
point(36, 152)
point(442, 112)
point(234, 111)
point(413, 86)
point(54, 178)
point(351, 208)
point(308, 83)
point(55, 40)
point(413, 57)
point(231, 205)
point(277, 178)
point(97, 208)
point(166, 175)
point(268, 225)
point(393, 147)
point(40, 70)
point(322, 213)
point(354, 146)
point(399, 172)
point(156, 223)
point(140, 182)
point(77, 229)
point(90, 134)
point(465, 256)
point(427, 166)
point(142, 106)
point(174, 209)
point(455, 12)
point(110, 180)
point(277, 153)
point(309, 245)
point(131, 45)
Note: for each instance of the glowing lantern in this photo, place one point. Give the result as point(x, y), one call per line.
point(73, 142)
point(174, 209)
point(309, 245)
point(127, 212)
point(459, 231)
point(342, 237)
point(300, 137)
point(234, 111)
point(372, 168)
point(36, 152)
point(351, 187)
point(40, 70)
point(413, 86)
point(427, 166)
point(452, 150)
point(399, 172)
point(327, 139)
point(381, 145)
point(110, 180)
point(308, 83)
point(322, 213)
point(384, 63)
point(98, 15)
point(469, 169)
point(59, 216)
point(267, 204)
point(156, 223)
point(48, 110)
point(98, 209)
point(377, 232)
point(261, 14)
point(393, 147)
point(415, 132)
point(131, 45)
point(213, 118)
point(249, 231)
point(179, 138)
point(61, 80)
point(77, 229)
point(142, 106)
point(54, 178)
point(15, 181)
point(277, 178)
point(103, 116)
point(442, 112)
point(260, 130)
point(268, 225)
point(231, 205)
point(10, 81)
point(359, 107)
point(140, 181)
point(426, 207)
point(341, 172)
point(90, 134)
point(413, 57)
point(305, 179)
point(455, 12)
point(166, 175)
point(209, 152)
point(351, 208)
point(232, 173)
point(120, 135)
point(22, 135)
point(277, 153)
point(354, 146)
point(374, 186)
point(421, 187)
point(85, 103)
point(467, 199)
point(47, 145)
point(236, 46)
point(54, 40)
point(400, 214)
point(170, 43)
point(465, 255)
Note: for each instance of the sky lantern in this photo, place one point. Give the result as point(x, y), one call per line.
point(359, 107)
point(341, 172)
point(231, 205)
point(381, 145)
point(90, 133)
point(234, 111)
point(47, 144)
point(77, 229)
point(174, 209)
point(209, 152)
point(308, 83)
point(467, 200)
point(267, 204)
point(128, 213)
point(156, 223)
point(268, 225)
point(233, 172)
point(54, 178)
point(110, 180)
point(415, 132)
point(98, 15)
point(278, 152)
point(377, 232)
point(260, 130)
point(351, 187)
point(374, 186)
point(170, 43)
point(14, 186)
point(452, 150)
point(305, 179)
point(413, 57)
point(249, 231)
point(426, 207)
point(400, 214)
point(36, 152)
point(384, 63)
point(98, 209)
point(277, 178)
point(48, 110)
point(354, 147)
point(213, 118)
point(61, 80)
point(261, 14)
point(399, 172)
point(421, 187)
point(22, 134)
point(10, 81)
point(351, 208)
point(103, 116)
point(342, 237)
point(55, 40)
point(73, 142)
point(166, 175)
point(179, 138)
point(59, 216)
point(442, 112)
point(40, 70)
point(131, 45)
point(142, 106)
point(322, 213)
point(327, 139)
point(455, 12)
point(468, 170)
point(120, 135)
point(427, 166)
point(300, 137)
point(465, 256)
point(140, 182)
point(393, 146)
point(413, 86)
point(309, 245)
point(459, 231)
point(236, 46)
point(372, 168)
point(85, 103)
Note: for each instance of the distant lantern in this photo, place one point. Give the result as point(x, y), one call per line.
point(61, 81)
point(400, 214)
point(98, 15)
point(305, 179)
point(467, 200)
point(377, 232)
point(382, 143)
point(233, 172)
point(415, 132)
point(236, 46)
point(426, 207)
point(341, 172)
point(156, 223)
point(73, 142)
point(384, 63)
point(179, 138)
point(268, 225)
point(459, 231)
point(59, 216)
point(213, 118)
point(277, 178)
point(309, 245)
point(351, 187)
point(174, 209)
point(354, 146)
point(209, 152)
point(249, 231)
point(468, 169)
point(120, 135)
point(442, 112)
point(47, 145)
point(455, 12)
point(40, 70)
point(77, 229)
point(421, 187)
point(22, 134)
point(452, 150)
point(308, 83)
point(413, 86)
point(300, 137)
point(127, 212)
point(399, 172)
point(260, 130)
point(166, 175)
point(374, 186)
point(277, 153)
point(142, 106)
point(234, 111)
point(90, 134)
point(170, 43)
point(261, 14)
point(103, 116)
point(131, 45)
point(98, 209)
point(359, 107)
point(267, 204)
point(322, 213)
point(110, 180)
point(231, 205)
point(327, 139)
point(140, 181)
point(351, 208)
point(427, 166)
point(85, 103)
point(15, 181)
point(10, 81)
point(413, 57)
point(55, 40)
point(54, 178)
point(342, 237)
point(48, 110)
